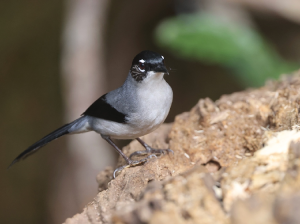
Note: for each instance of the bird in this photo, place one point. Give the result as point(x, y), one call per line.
point(133, 110)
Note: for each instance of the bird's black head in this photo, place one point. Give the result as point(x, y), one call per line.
point(145, 63)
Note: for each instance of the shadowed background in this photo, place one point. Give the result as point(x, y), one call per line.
point(212, 48)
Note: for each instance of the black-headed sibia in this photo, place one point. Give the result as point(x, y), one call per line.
point(135, 109)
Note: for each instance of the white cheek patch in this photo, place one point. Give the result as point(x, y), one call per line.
point(162, 57)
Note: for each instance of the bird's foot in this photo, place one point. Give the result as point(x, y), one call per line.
point(151, 151)
point(132, 164)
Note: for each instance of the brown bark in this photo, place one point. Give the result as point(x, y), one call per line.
point(233, 158)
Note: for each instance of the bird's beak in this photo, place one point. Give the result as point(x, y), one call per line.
point(161, 68)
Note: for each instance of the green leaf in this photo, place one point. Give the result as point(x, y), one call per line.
point(207, 38)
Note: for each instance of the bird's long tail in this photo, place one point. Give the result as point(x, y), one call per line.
point(66, 129)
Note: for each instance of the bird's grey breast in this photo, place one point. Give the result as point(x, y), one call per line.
point(145, 105)
point(154, 102)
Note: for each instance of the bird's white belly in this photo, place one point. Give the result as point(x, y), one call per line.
point(154, 108)
point(136, 128)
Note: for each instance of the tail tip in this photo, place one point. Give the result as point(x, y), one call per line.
point(12, 163)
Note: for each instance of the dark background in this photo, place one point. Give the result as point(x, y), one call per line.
point(31, 89)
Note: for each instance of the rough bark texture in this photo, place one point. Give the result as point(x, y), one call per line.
point(234, 158)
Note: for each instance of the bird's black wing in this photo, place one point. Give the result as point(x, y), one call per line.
point(101, 109)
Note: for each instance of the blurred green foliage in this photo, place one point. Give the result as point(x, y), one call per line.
point(207, 38)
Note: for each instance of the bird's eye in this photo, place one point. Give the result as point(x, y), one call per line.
point(142, 66)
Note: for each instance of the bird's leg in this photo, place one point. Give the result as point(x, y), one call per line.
point(108, 139)
point(130, 163)
point(149, 150)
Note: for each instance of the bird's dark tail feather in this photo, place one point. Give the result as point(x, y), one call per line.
point(48, 138)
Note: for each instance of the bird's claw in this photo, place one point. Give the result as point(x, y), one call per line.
point(132, 164)
point(152, 151)
point(138, 153)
